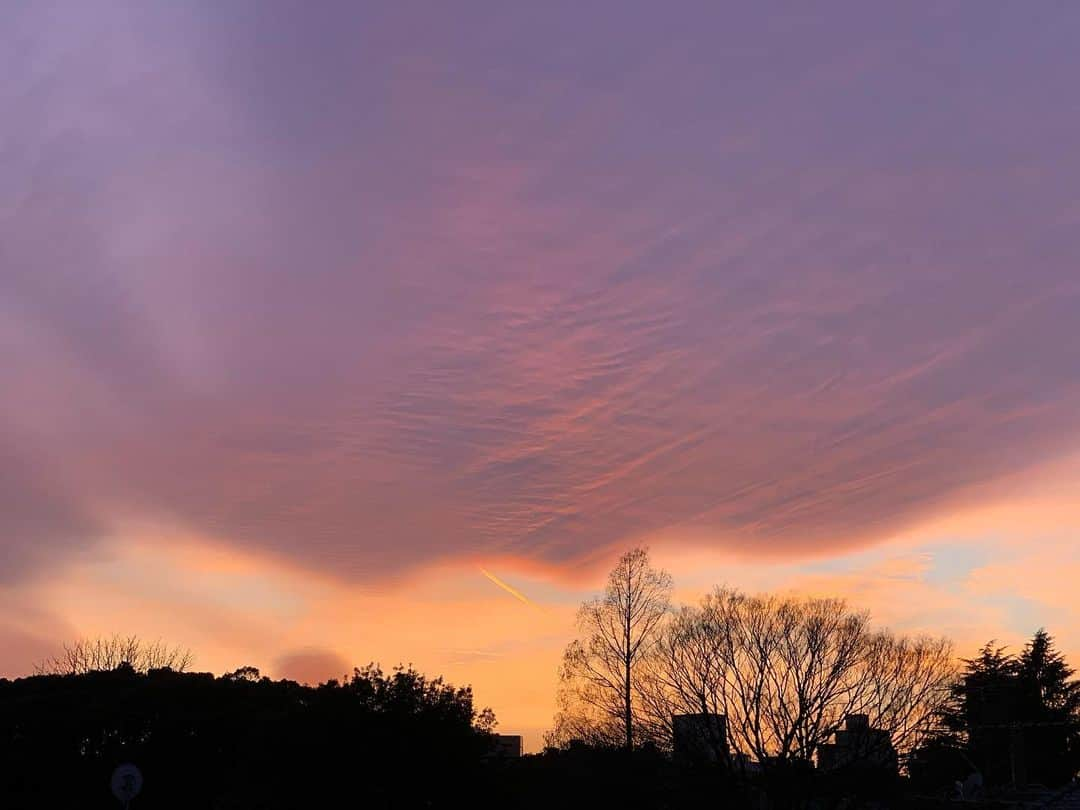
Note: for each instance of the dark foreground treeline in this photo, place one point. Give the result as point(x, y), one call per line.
point(378, 740)
point(239, 741)
point(401, 740)
point(586, 777)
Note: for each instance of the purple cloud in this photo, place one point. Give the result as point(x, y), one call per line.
point(372, 287)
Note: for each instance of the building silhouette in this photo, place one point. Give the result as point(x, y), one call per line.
point(858, 745)
point(506, 746)
point(700, 738)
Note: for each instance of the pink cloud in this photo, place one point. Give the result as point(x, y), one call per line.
point(371, 295)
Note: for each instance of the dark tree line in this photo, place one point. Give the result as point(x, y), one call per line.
point(394, 739)
point(1014, 719)
point(786, 673)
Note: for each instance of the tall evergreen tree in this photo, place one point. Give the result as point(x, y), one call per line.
point(983, 709)
point(1015, 719)
point(1052, 741)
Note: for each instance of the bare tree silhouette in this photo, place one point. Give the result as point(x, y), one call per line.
point(107, 653)
point(786, 672)
point(600, 672)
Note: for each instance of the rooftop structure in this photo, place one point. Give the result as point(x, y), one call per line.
point(506, 746)
point(700, 737)
point(858, 746)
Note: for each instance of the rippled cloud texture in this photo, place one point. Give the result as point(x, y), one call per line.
point(374, 287)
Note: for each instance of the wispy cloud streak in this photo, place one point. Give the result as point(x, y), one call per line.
point(369, 294)
point(514, 592)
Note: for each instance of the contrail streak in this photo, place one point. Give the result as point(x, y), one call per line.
point(514, 592)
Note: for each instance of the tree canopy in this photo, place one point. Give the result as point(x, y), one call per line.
point(1013, 718)
point(239, 740)
point(783, 671)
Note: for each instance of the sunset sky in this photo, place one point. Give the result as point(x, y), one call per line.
point(334, 332)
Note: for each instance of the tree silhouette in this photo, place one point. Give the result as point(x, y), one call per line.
point(785, 672)
point(1052, 743)
point(396, 739)
point(599, 673)
point(103, 654)
point(1015, 719)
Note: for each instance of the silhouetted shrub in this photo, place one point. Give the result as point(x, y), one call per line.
point(386, 740)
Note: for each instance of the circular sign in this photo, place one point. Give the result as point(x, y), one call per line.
point(126, 782)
